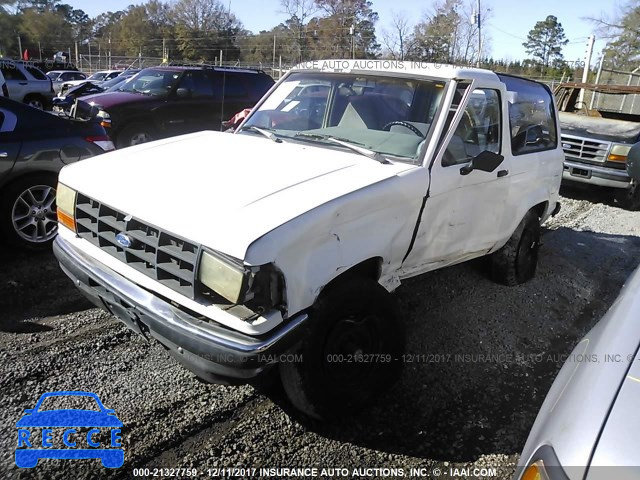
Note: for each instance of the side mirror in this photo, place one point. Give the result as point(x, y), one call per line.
point(485, 161)
point(633, 162)
point(534, 135)
point(183, 93)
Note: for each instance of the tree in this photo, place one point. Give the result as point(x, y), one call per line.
point(623, 48)
point(546, 40)
point(204, 27)
point(397, 39)
point(299, 12)
point(346, 30)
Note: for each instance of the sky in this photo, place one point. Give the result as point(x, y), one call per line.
point(508, 23)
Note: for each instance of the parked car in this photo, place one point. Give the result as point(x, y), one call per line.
point(289, 235)
point(4, 91)
point(34, 146)
point(26, 83)
point(596, 142)
point(66, 98)
point(166, 101)
point(58, 77)
point(97, 78)
point(589, 420)
point(97, 421)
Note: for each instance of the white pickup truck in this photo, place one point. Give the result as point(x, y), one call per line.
point(276, 248)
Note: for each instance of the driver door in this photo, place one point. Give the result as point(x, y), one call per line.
point(463, 215)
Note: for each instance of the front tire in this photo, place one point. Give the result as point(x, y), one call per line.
point(350, 354)
point(135, 134)
point(629, 198)
point(516, 261)
point(28, 212)
point(34, 101)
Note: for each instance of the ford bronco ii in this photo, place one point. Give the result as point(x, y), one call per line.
point(276, 248)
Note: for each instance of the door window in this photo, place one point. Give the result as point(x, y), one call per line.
point(478, 130)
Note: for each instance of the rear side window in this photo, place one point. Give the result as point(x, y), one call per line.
point(232, 83)
point(11, 72)
point(35, 73)
point(531, 116)
point(197, 84)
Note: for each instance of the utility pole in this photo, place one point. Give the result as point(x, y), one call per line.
point(587, 63)
point(479, 36)
point(20, 46)
point(273, 65)
point(76, 54)
point(39, 51)
point(110, 50)
point(352, 32)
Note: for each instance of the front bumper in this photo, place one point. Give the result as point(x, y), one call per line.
point(595, 175)
point(213, 352)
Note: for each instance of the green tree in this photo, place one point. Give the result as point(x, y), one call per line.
point(623, 48)
point(204, 28)
point(545, 41)
point(346, 30)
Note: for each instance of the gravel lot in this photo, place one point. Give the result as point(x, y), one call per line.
point(490, 355)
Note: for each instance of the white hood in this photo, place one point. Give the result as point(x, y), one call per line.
point(222, 190)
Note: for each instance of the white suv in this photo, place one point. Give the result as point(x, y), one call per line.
point(280, 244)
point(26, 83)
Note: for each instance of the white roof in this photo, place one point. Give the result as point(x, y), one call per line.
point(406, 67)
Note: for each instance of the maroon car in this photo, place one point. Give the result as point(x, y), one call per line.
point(161, 102)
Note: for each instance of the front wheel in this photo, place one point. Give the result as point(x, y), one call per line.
point(516, 261)
point(351, 352)
point(629, 198)
point(135, 135)
point(28, 212)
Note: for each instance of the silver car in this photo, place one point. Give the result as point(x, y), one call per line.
point(589, 426)
point(58, 77)
point(26, 83)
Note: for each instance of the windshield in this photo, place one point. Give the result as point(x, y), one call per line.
point(114, 81)
point(98, 76)
point(53, 75)
point(151, 82)
point(388, 115)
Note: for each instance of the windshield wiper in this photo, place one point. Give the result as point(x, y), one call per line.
point(263, 131)
point(378, 157)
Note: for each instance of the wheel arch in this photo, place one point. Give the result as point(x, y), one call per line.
point(370, 268)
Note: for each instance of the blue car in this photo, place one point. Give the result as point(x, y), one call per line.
point(65, 422)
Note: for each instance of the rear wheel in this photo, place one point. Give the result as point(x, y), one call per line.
point(351, 352)
point(135, 135)
point(516, 261)
point(28, 211)
point(629, 198)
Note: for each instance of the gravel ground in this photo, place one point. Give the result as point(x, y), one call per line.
point(488, 355)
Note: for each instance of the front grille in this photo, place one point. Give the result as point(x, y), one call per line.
point(584, 149)
point(158, 254)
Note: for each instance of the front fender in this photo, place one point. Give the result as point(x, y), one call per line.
point(318, 246)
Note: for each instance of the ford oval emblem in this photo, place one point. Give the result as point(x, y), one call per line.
point(124, 240)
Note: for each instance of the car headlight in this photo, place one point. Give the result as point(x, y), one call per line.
point(222, 276)
point(535, 471)
point(619, 153)
point(66, 203)
point(259, 288)
point(105, 118)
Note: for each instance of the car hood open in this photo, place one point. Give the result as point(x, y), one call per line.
point(222, 190)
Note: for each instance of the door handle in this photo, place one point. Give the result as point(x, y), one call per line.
point(503, 173)
point(23, 83)
point(4, 154)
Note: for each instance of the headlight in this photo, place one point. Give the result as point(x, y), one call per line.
point(258, 288)
point(619, 153)
point(223, 277)
point(66, 203)
point(535, 471)
point(106, 118)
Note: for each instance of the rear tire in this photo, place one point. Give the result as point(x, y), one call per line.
point(516, 261)
point(351, 351)
point(629, 198)
point(28, 211)
point(135, 134)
